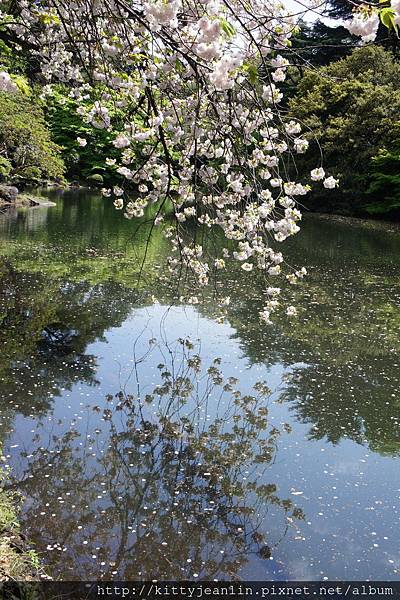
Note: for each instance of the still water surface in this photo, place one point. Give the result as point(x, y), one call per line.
point(139, 461)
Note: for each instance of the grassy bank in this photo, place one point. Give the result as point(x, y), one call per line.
point(17, 560)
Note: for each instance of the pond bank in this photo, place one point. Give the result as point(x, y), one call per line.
point(373, 224)
point(10, 196)
point(17, 559)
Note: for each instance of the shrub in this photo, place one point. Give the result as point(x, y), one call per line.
point(5, 168)
point(25, 142)
point(384, 191)
point(96, 178)
point(66, 125)
point(350, 108)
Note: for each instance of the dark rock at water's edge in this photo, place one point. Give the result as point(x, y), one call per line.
point(35, 201)
point(10, 196)
point(8, 193)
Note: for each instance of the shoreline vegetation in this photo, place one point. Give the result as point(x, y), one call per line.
point(18, 561)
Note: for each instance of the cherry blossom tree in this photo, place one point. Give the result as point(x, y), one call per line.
point(190, 91)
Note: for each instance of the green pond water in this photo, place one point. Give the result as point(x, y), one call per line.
point(143, 455)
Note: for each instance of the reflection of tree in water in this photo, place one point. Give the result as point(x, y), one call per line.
point(84, 238)
point(344, 347)
point(45, 328)
point(348, 403)
point(169, 485)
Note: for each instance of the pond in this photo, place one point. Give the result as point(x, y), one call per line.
point(154, 440)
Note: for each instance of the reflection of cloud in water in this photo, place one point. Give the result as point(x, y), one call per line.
point(300, 570)
point(172, 322)
point(348, 467)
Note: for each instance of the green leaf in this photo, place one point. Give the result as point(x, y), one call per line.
point(227, 27)
point(252, 72)
point(49, 19)
point(21, 84)
point(387, 16)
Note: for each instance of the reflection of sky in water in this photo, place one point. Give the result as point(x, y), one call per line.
point(342, 353)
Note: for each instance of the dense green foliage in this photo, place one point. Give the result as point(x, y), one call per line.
point(385, 181)
point(66, 125)
point(350, 109)
point(27, 153)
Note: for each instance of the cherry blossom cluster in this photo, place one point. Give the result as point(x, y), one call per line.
point(189, 90)
point(366, 19)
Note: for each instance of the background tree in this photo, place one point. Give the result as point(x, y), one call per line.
point(350, 109)
point(319, 44)
point(27, 152)
point(384, 189)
